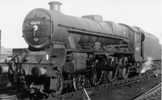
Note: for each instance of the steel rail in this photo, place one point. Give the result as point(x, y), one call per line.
point(152, 92)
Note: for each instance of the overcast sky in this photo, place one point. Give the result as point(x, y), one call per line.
point(146, 14)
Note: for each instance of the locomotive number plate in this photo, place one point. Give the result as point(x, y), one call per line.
point(35, 22)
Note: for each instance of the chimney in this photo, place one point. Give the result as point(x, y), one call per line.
point(55, 5)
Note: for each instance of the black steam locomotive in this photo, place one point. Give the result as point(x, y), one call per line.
point(70, 52)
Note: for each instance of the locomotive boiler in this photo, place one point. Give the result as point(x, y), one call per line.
point(71, 52)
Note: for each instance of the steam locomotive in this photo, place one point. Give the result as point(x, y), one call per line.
point(71, 52)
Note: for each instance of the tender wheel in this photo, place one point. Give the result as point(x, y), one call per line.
point(96, 77)
point(124, 73)
point(56, 83)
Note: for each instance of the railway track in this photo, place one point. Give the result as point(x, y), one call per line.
point(118, 83)
point(152, 94)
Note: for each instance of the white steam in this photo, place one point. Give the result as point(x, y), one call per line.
point(147, 65)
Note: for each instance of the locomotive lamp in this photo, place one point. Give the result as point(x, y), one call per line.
point(47, 57)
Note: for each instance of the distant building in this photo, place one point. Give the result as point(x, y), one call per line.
point(0, 40)
point(4, 53)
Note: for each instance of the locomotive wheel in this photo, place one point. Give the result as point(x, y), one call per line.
point(124, 72)
point(96, 77)
point(111, 75)
point(56, 83)
point(79, 82)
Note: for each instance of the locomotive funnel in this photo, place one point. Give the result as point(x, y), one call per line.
point(55, 5)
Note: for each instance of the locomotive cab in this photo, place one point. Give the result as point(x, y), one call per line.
point(139, 38)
